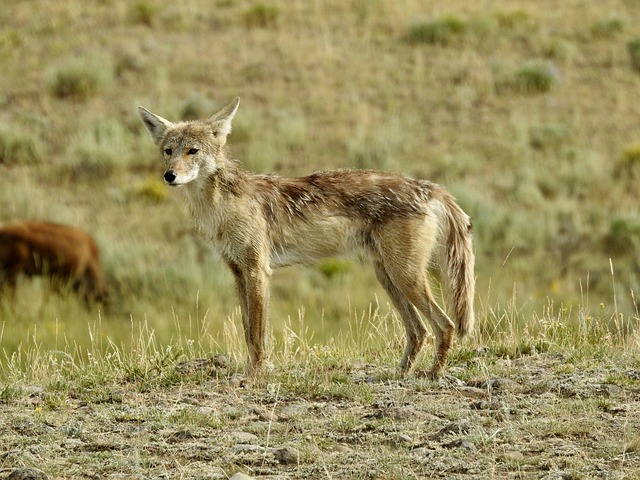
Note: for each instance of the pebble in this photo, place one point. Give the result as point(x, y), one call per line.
point(265, 414)
point(499, 384)
point(287, 455)
point(27, 474)
point(208, 365)
point(342, 448)
point(609, 391)
point(240, 476)
point(484, 405)
point(453, 427)
point(243, 438)
point(242, 448)
point(293, 410)
point(472, 392)
point(180, 436)
point(558, 476)
point(513, 456)
point(422, 452)
point(460, 443)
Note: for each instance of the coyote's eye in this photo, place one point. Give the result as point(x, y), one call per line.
point(167, 151)
point(192, 151)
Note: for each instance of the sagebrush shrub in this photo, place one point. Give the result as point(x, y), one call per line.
point(79, 79)
point(19, 148)
point(437, 32)
point(633, 48)
point(261, 15)
point(535, 77)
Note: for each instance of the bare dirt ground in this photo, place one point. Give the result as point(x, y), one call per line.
point(537, 416)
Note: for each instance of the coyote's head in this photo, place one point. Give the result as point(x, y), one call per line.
point(190, 148)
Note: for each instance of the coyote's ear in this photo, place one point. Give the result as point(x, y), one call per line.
point(156, 125)
point(222, 120)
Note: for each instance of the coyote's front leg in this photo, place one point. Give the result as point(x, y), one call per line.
point(253, 289)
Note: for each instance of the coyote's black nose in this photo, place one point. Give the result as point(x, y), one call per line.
point(169, 176)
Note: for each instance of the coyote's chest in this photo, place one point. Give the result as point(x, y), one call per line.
point(235, 227)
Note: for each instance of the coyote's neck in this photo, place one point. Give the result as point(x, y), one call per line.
point(208, 195)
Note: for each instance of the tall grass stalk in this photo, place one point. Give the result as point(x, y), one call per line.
point(375, 337)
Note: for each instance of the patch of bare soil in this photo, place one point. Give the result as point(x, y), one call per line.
point(534, 417)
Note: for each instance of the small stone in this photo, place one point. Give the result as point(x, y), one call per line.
point(243, 438)
point(633, 374)
point(450, 381)
point(484, 405)
point(342, 448)
point(264, 414)
point(33, 390)
point(481, 351)
point(398, 439)
point(460, 443)
point(609, 391)
point(180, 436)
point(422, 452)
point(240, 476)
point(294, 410)
point(514, 456)
point(558, 476)
point(242, 448)
point(27, 474)
point(499, 385)
point(287, 456)
point(210, 365)
point(472, 392)
point(453, 427)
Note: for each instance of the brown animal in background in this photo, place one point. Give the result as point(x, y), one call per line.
point(60, 252)
point(261, 222)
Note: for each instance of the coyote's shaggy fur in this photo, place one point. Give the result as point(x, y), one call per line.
point(260, 222)
point(60, 252)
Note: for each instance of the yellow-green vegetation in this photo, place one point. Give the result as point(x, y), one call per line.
point(557, 398)
point(527, 113)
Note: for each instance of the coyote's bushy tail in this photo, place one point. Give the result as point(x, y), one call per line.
point(458, 265)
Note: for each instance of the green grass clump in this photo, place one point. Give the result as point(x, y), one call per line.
point(99, 151)
point(607, 27)
point(261, 15)
point(436, 32)
point(143, 12)
point(19, 148)
point(515, 20)
point(633, 48)
point(196, 107)
point(628, 165)
point(377, 149)
point(548, 136)
point(153, 190)
point(79, 79)
point(624, 234)
point(535, 77)
point(333, 267)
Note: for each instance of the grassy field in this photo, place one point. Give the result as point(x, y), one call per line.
point(526, 111)
point(563, 402)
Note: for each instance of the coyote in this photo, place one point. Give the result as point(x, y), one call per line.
point(61, 252)
point(260, 222)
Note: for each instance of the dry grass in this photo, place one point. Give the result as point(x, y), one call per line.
point(527, 113)
point(562, 402)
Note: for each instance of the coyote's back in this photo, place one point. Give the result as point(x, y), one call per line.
point(261, 222)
